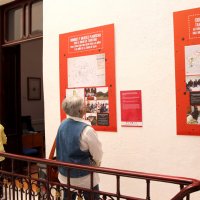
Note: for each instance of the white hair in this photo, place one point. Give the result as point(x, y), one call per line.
point(72, 105)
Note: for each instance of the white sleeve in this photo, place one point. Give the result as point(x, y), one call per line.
point(89, 141)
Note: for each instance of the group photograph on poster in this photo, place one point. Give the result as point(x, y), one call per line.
point(193, 83)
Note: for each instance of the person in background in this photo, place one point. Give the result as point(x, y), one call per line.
point(3, 140)
point(77, 142)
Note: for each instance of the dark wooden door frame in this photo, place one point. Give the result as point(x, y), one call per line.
point(10, 94)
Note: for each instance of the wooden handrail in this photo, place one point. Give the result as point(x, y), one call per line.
point(189, 185)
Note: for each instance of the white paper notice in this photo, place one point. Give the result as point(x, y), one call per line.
point(192, 59)
point(86, 71)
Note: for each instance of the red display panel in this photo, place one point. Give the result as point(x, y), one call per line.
point(187, 68)
point(87, 67)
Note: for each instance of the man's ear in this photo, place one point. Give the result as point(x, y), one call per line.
point(82, 112)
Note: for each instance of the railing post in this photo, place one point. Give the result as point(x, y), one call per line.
point(13, 180)
point(68, 184)
point(118, 186)
point(148, 190)
point(29, 180)
point(91, 186)
point(48, 182)
point(188, 197)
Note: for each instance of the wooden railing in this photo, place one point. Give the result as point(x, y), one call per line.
point(31, 183)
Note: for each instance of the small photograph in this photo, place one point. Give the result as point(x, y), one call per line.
point(102, 106)
point(192, 59)
point(91, 106)
point(193, 115)
point(193, 83)
point(90, 93)
point(194, 98)
point(73, 92)
point(92, 117)
point(102, 93)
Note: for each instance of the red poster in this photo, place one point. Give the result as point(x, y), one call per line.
point(131, 108)
point(187, 68)
point(87, 68)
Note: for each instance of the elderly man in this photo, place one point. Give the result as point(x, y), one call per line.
point(77, 142)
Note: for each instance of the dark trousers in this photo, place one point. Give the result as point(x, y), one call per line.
point(85, 194)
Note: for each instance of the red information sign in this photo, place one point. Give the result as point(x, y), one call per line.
point(131, 108)
point(187, 66)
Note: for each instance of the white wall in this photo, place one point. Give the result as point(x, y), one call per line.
point(144, 50)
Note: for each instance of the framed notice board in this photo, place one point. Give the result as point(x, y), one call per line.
point(187, 68)
point(87, 69)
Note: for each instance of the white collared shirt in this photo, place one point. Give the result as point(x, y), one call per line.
point(88, 142)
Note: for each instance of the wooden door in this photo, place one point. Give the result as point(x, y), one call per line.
point(10, 98)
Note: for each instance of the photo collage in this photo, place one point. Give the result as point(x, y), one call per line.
point(96, 102)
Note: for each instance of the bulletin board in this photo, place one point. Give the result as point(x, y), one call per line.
point(187, 69)
point(87, 69)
